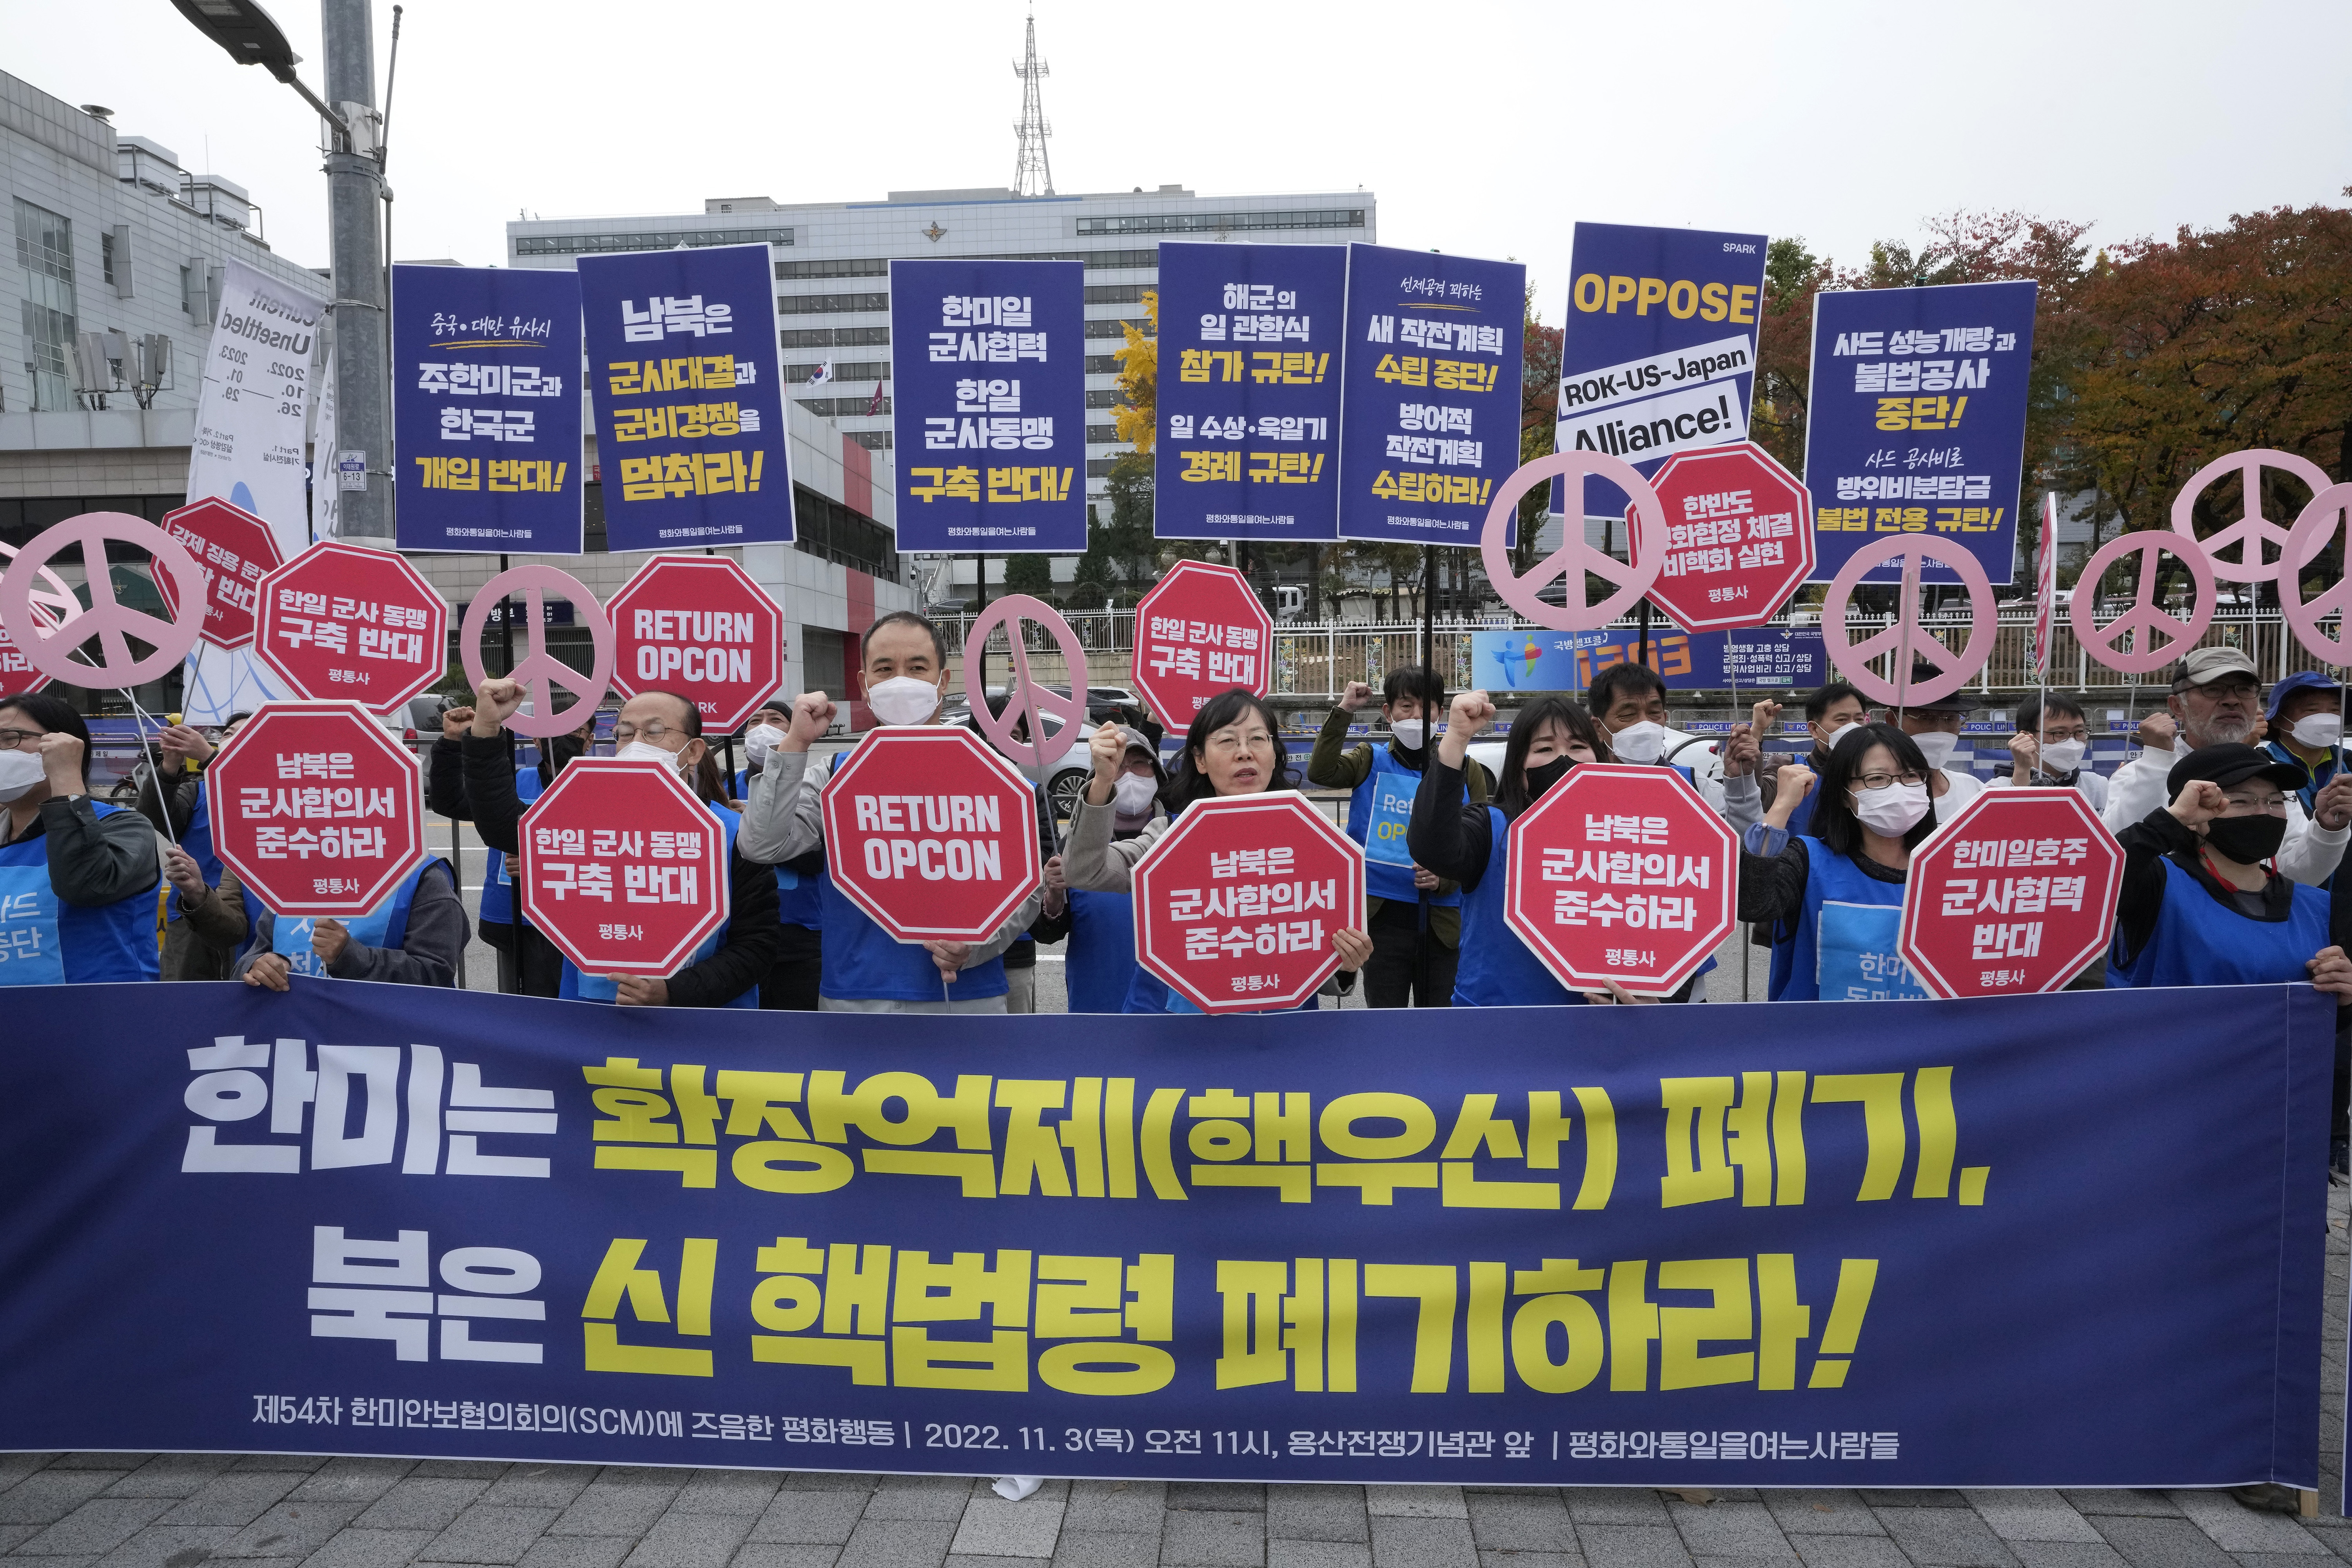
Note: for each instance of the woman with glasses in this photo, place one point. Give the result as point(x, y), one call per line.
point(76, 878)
point(1832, 897)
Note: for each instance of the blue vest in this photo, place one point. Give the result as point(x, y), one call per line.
point(797, 903)
point(863, 962)
point(1376, 815)
point(577, 987)
point(498, 882)
point(1843, 948)
point(43, 940)
point(2318, 778)
point(1498, 970)
point(1801, 818)
point(2198, 941)
point(1101, 968)
point(386, 925)
point(198, 840)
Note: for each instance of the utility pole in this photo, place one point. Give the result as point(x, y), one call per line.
point(356, 190)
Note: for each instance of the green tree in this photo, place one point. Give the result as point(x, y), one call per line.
point(1030, 574)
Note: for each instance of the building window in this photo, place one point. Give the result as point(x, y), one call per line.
point(1102, 364)
point(1105, 397)
point(596, 244)
point(1116, 329)
point(106, 255)
point(1102, 435)
point(835, 337)
point(842, 407)
point(824, 528)
point(1099, 468)
point(872, 440)
point(863, 266)
point(1118, 293)
point(829, 304)
point(45, 250)
point(1221, 223)
point(851, 369)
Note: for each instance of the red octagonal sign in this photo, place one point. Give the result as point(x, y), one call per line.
point(1199, 631)
point(1237, 902)
point(623, 868)
point(2015, 894)
point(361, 626)
point(1739, 537)
point(932, 834)
point(316, 809)
point(1621, 873)
point(699, 626)
point(235, 550)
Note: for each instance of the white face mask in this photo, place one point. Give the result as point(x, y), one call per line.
point(646, 751)
point(2062, 756)
point(1642, 742)
point(1937, 746)
point(1133, 793)
point(903, 700)
point(19, 771)
point(1839, 733)
point(1893, 811)
point(1409, 734)
point(762, 741)
point(2319, 730)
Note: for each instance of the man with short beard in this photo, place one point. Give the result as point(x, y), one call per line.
point(2215, 699)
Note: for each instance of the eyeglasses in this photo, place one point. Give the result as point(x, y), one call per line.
point(17, 739)
point(1886, 781)
point(654, 733)
point(2061, 732)
point(2221, 689)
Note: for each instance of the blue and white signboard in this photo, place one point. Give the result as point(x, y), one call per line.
point(988, 412)
point(1430, 409)
point(1916, 423)
point(1531, 658)
point(1250, 353)
point(485, 408)
point(689, 397)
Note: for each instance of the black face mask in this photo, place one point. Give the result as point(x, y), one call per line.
point(2248, 840)
point(1543, 778)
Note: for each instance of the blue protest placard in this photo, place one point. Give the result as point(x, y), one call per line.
point(988, 360)
point(1531, 658)
point(689, 397)
point(1250, 353)
point(485, 408)
point(1916, 423)
point(1430, 402)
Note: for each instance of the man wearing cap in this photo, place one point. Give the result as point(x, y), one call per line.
point(2306, 730)
point(1936, 726)
point(2214, 700)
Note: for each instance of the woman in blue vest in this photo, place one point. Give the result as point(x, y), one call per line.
point(1100, 969)
point(76, 878)
point(416, 937)
point(1832, 898)
point(1468, 842)
point(658, 727)
point(521, 951)
point(1234, 747)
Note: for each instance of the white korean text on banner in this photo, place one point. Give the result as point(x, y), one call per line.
point(989, 406)
point(688, 397)
point(486, 407)
point(1430, 420)
point(1916, 423)
point(1250, 353)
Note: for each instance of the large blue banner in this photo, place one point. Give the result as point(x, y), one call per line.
point(988, 409)
point(1430, 402)
point(1916, 423)
point(1250, 353)
point(2068, 1241)
point(486, 409)
point(689, 397)
point(1531, 658)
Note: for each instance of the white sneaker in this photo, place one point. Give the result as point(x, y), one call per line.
point(1013, 1489)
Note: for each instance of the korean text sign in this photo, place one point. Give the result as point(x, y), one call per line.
point(689, 397)
point(486, 403)
point(1531, 658)
point(1250, 351)
point(990, 408)
point(1916, 422)
point(1783, 1253)
point(1430, 420)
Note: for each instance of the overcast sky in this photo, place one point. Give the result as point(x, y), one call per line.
point(1483, 128)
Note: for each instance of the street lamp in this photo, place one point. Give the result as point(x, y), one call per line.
point(355, 185)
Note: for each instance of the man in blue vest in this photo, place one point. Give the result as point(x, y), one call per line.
point(416, 937)
point(76, 878)
point(1830, 712)
point(792, 985)
point(2306, 731)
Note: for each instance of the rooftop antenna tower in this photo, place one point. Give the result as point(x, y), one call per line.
point(1033, 171)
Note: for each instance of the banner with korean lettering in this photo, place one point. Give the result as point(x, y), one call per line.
point(1915, 422)
point(486, 404)
point(1429, 397)
point(1773, 1248)
point(1250, 351)
point(1531, 658)
point(689, 397)
point(988, 409)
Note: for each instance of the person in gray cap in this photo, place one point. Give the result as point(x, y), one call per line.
point(2215, 700)
point(1936, 726)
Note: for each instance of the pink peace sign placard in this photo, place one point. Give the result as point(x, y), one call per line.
point(2251, 532)
point(2312, 530)
point(1952, 671)
point(1026, 702)
point(1574, 558)
point(50, 644)
point(533, 584)
point(2144, 620)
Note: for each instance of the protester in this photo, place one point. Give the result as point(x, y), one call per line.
point(2306, 730)
point(416, 937)
point(1629, 707)
point(791, 986)
point(181, 811)
point(903, 662)
point(2216, 700)
point(1053, 921)
point(1234, 747)
point(76, 878)
point(1832, 898)
point(214, 912)
point(515, 943)
point(1414, 915)
point(1936, 726)
point(2053, 736)
point(1830, 712)
point(1468, 842)
point(1101, 969)
point(658, 727)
